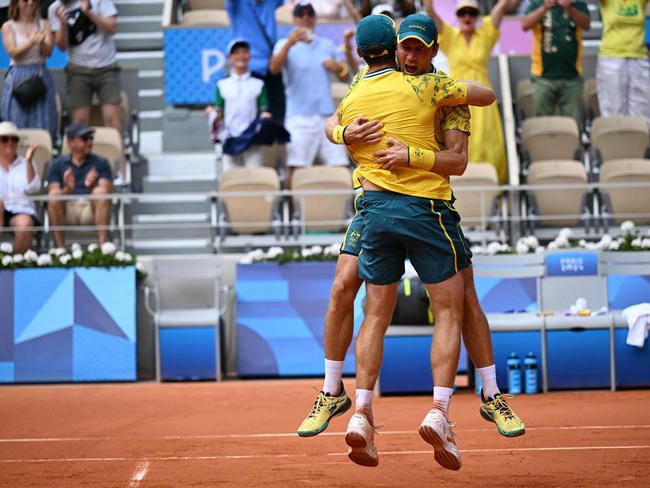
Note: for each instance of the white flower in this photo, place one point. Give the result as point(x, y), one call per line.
point(591, 246)
point(256, 254)
point(606, 240)
point(552, 246)
point(128, 257)
point(108, 248)
point(627, 226)
point(65, 259)
point(636, 242)
point(316, 250)
point(645, 243)
point(333, 249)
point(6, 247)
point(477, 250)
point(44, 260)
point(7, 261)
point(305, 253)
point(246, 260)
point(60, 251)
point(18, 258)
point(119, 255)
point(582, 243)
point(274, 252)
point(77, 253)
point(75, 246)
point(504, 248)
point(540, 250)
point(561, 241)
point(31, 256)
point(531, 241)
point(493, 248)
point(614, 245)
point(566, 233)
point(522, 248)
point(140, 267)
point(92, 247)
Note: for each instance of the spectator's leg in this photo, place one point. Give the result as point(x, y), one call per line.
point(101, 210)
point(23, 241)
point(302, 149)
point(56, 209)
point(331, 154)
point(544, 96)
point(640, 88)
point(570, 99)
point(612, 86)
point(112, 118)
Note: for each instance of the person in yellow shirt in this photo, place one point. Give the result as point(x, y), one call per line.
point(468, 49)
point(623, 71)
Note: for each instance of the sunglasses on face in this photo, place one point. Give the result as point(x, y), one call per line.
point(87, 137)
point(306, 13)
point(6, 139)
point(467, 12)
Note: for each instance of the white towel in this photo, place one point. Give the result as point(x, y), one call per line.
point(638, 320)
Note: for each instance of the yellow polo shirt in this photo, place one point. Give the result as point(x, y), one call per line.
point(623, 28)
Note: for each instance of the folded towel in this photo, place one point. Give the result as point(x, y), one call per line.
point(638, 321)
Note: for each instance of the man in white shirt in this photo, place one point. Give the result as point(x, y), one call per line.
point(86, 29)
point(18, 180)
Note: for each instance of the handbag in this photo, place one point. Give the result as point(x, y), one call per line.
point(30, 90)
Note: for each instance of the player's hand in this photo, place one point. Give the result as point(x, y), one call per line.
point(29, 155)
point(91, 179)
point(396, 156)
point(68, 180)
point(84, 5)
point(364, 131)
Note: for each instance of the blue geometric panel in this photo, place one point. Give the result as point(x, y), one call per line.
point(6, 372)
point(7, 316)
point(627, 290)
point(502, 295)
point(88, 311)
point(101, 357)
point(45, 358)
point(263, 290)
point(254, 354)
point(188, 353)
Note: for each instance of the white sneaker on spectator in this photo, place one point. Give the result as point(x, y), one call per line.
point(437, 431)
point(360, 436)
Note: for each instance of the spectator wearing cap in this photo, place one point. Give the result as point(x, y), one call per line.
point(328, 9)
point(18, 179)
point(239, 99)
point(557, 55)
point(623, 70)
point(307, 62)
point(254, 20)
point(398, 8)
point(80, 173)
point(468, 48)
point(85, 28)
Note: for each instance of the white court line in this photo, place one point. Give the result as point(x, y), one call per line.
point(293, 434)
point(139, 474)
point(276, 456)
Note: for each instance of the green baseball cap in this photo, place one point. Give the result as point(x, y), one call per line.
point(376, 31)
point(420, 27)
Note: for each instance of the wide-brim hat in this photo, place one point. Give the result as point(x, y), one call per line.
point(471, 4)
point(8, 129)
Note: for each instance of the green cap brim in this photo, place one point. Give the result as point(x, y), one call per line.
point(426, 40)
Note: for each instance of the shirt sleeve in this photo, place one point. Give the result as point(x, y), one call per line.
point(103, 169)
point(218, 99)
point(105, 8)
point(456, 118)
point(447, 91)
point(35, 185)
point(581, 7)
point(54, 173)
point(55, 23)
point(491, 32)
point(263, 100)
point(532, 5)
point(278, 46)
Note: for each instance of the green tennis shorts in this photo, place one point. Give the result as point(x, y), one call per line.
point(396, 227)
point(352, 238)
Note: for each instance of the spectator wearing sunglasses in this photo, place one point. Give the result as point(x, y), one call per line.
point(28, 41)
point(80, 173)
point(468, 48)
point(18, 180)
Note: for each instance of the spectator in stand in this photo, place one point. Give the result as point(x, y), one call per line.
point(239, 100)
point(254, 20)
point(557, 55)
point(468, 49)
point(80, 173)
point(400, 8)
point(28, 41)
point(86, 29)
point(18, 180)
point(328, 9)
point(307, 61)
point(623, 72)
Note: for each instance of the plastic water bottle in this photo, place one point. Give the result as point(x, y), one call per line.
point(514, 374)
point(477, 382)
point(530, 373)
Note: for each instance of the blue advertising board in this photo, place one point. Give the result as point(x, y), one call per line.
point(572, 264)
point(58, 59)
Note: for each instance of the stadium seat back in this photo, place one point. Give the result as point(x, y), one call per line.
point(620, 137)
point(627, 200)
point(208, 18)
point(207, 4)
point(525, 97)
point(249, 214)
point(475, 204)
point(323, 212)
point(560, 202)
point(43, 142)
point(550, 138)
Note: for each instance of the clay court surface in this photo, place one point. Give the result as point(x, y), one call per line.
point(242, 434)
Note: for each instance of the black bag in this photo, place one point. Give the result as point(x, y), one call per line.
point(29, 91)
point(80, 27)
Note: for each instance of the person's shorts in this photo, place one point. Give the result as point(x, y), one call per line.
point(352, 238)
point(308, 140)
point(10, 215)
point(79, 212)
point(397, 226)
point(83, 82)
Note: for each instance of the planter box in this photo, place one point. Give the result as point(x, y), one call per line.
point(67, 325)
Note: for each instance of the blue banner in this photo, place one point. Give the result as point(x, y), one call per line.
point(58, 59)
point(572, 264)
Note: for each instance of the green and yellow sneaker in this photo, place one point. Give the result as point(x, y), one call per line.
point(325, 407)
point(498, 411)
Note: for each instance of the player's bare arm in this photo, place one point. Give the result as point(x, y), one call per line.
point(359, 131)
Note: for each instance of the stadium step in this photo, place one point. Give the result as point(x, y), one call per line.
point(151, 120)
point(151, 99)
point(185, 163)
point(138, 41)
point(139, 23)
point(139, 7)
point(150, 79)
point(170, 246)
point(172, 226)
point(144, 60)
point(179, 183)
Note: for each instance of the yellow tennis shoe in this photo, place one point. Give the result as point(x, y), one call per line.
point(325, 407)
point(498, 411)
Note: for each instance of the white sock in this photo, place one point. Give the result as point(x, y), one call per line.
point(363, 404)
point(489, 379)
point(442, 397)
point(333, 375)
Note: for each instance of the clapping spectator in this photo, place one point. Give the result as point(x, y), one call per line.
point(557, 55)
point(307, 62)
point(28, 91)
point(86, 28)
point(80, 173)
point(18, 180)
point(623, 71)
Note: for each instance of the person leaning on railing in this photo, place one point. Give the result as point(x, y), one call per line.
point(79, 173)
